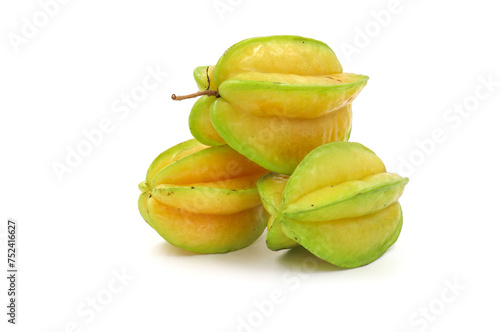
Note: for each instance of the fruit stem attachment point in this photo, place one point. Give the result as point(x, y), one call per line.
point(197, 94)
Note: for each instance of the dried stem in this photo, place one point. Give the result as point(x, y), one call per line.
point(196, 94)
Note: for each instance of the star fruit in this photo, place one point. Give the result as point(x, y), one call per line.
point(274, 99)
point(199, 119)
point(203, 199)
point(339, 203)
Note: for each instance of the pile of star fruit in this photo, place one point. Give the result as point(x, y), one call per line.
point(270, 149)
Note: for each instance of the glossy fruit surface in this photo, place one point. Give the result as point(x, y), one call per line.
point(275, 99)
point(278, 144)
point(200, 124)
point(271, 190)
point(340, 204)
point(203, 199)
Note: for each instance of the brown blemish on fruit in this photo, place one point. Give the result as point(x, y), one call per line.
point(334, 79)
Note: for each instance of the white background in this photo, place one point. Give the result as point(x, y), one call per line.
point(425, 61)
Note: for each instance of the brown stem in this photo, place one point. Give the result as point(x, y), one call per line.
point(197, 94)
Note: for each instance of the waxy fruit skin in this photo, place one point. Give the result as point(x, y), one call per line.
point(278, 98)
point(203, 199)
point(340, 204)
point(271, 131)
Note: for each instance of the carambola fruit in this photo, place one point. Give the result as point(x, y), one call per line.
point(274, 99)
point(200, 124)
point(203, 199)
point(340, 204)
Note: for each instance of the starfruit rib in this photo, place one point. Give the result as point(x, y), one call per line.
point(277, 144)
point(329, 165)
point(206, 200)
point(277, 54)
point(207, 233)
point(350, 242)
point(271, 189)
point(348, 199)
point(276, 238)
point(200, 124)
point(219, 163)
point(203, 76)
point(171, 155)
